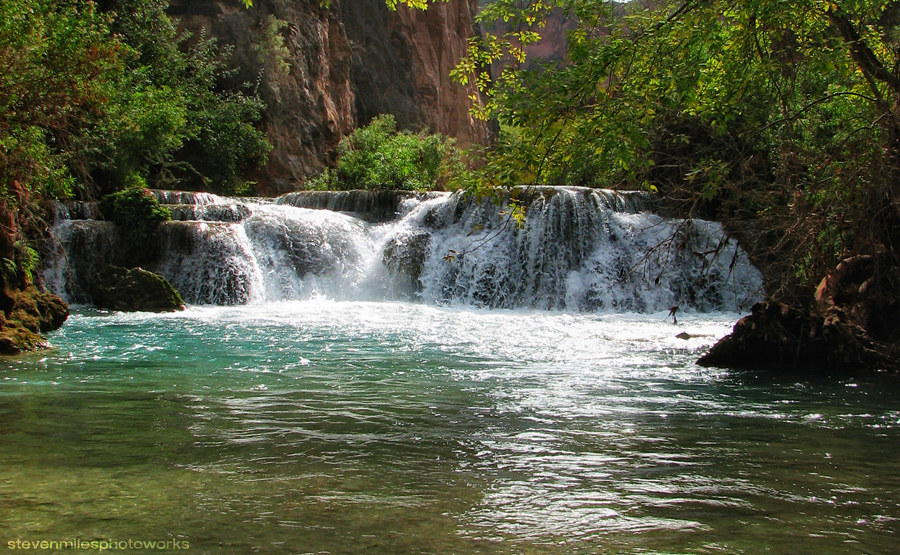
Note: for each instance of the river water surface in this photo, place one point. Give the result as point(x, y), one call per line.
point(394, 428)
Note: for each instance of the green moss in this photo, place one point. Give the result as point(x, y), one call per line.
point(117, 288)
point(137, 214)
point(27, 312)
point(16, 339)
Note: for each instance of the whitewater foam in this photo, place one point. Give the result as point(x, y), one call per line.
point(577, 249)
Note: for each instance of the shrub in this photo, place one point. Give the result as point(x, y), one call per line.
point(136, 211)
point(378, 157)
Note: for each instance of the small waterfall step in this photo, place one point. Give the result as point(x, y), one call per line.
point(576, 249)
point(372, 206)
point(230, 212)
point(164, 196)
point(72, 210)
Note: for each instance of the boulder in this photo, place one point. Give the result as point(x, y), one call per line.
point(52, 311)
point(134, 290)
point(854, 325)
point(404, 259)
point(773, 333)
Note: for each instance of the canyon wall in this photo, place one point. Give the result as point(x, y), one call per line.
point(349, 61)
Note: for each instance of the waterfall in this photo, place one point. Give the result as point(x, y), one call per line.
point(576, 249)
point(585, 250)
point(372, 206)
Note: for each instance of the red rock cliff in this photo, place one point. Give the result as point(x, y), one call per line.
point(402, 62)
point(348, 63)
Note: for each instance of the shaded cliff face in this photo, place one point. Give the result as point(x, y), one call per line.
point(402, 62)
point(309, 108)
point(348, 63)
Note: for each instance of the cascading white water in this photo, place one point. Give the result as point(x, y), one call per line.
point(577, 249)
point(586, 250)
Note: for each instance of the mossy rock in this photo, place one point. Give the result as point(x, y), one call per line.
point(26, 313)
point(16, 338)
point(134, 290)
point(53, 310)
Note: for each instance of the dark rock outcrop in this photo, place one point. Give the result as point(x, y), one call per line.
point(855, 324)
point(864, 291)
point(134, 290)
point(348, 63)
point(25, 310)
point(372, 206)
point(405, 260)
point(26, 313)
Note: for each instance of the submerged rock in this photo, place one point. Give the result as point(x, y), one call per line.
point(855, 325)
point(134, 290)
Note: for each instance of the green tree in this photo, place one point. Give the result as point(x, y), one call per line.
point(137, 211)
point(781, 112)
point(377, 156)
point(101, 94)
point(55, 61)
point(96, 96)
point(171, 123)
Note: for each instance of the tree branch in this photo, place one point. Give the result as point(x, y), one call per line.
point(862, 55)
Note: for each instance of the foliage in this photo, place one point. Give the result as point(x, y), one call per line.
point(378, 157)
point(92, 94)
point(25, 262)
point(136, 211)
point(274, 46)
point(785, 113)
point(172, 124)
point(415, 4)
point(54, 56)
point(29, 261)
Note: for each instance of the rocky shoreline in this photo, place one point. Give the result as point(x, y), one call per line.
point(27, 312)
point(854, 325)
